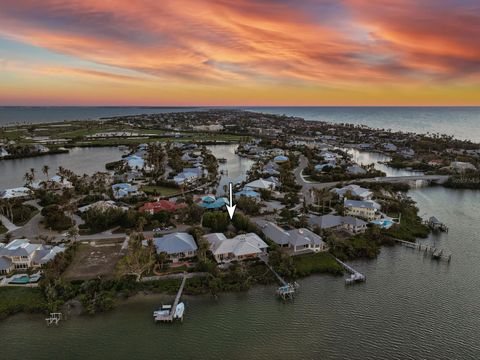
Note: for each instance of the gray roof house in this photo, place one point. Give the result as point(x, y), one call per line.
point(241, 247)
point(176, 245)
point(297, 239)
point(355, 190)
point(366, 209)
point(24, 254)
point(274, 232)
point(349, 223)
point(6, 265)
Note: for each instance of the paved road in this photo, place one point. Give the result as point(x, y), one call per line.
point(31, 229)
point(8, 224)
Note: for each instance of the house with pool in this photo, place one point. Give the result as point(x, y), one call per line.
point(364, 209)
point(297, 240)
point(20, 254)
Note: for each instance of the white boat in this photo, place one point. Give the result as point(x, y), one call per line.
point(165, 310)
point(179, 311)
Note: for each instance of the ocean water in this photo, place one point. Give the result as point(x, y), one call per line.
point(41, 114)
point(461, 122)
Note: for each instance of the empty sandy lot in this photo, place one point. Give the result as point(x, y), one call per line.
point(94, 261)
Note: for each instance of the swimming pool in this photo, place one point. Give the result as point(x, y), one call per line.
point(20, 280)
point(383, 223)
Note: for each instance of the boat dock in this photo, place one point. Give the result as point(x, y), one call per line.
point(435, 224)
point(355, 276)
point(54, 319)
point(437, 254)
point(287, 290)
point(171, 315)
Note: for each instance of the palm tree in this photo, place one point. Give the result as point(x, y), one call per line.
point(72, 234)
point(45, 170)
point(141, 222)
point(162, 259)
point(28, 178)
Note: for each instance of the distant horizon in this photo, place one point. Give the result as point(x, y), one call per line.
point(237, 106)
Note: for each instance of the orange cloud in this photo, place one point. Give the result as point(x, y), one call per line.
point(173, 44)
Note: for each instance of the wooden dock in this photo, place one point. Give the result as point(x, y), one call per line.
point(436, 254)
point(355, 276)
point(435, 224)
point(287, 290)
point(171, 315)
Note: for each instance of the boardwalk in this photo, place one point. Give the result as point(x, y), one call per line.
point(355, 276)
point(264, 258)
point(171, 314)
point(287, 290)
point(437, 254)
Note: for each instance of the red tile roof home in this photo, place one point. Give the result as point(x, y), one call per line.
point(162, 205)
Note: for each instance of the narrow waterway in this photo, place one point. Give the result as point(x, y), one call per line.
point(236, 167)
point(79, 160)
point(369, 157)
point(411, 307)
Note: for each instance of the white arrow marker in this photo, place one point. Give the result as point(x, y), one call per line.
point(230, 206)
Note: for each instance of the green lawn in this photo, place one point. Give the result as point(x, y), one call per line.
point(160, 190)
point(316, 263)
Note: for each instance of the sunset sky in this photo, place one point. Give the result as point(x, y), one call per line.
point(240, 52)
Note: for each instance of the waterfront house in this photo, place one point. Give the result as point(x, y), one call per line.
point(241, 247)
point(356, 170)
point(461, 166)
point(123, 190)
point(188, 175)
point(335, 222)
point(365, 146)
point(176, 245)
point(161, 205)
point(271, 168)
point(261, 184)
point(365, 209)
point(135, 162)
point(304, 239)
point(24, 255)
point(20, 192)
point(3, 152)
point(40, 148)
point(249, 193)
point(390, 147)
point(407, 152)
point(355, 190)
point(298, 239)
